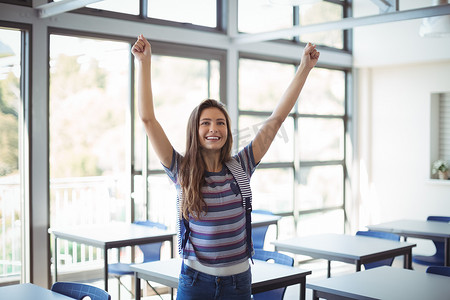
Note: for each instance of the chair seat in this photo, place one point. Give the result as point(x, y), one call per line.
point(428, 260)
point(120, 269)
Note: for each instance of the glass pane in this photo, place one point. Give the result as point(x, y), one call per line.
point(163, 196)
point(127, 7)
point(163, 200)
point(272, 189)
point(320, 187)
point(322, 12)
point(261, 84)
point(174, 105)
point(10, 185)
point(323, 93)
point(321, 139)
point(260, 16)
point(89, 102)
point(199, 12)
point(286, 228)
point(322, 222)
point(282, 148)
point(214, 80)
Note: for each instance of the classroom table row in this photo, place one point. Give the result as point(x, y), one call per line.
point(379, 283)
point(353, 249)
point(120, 234)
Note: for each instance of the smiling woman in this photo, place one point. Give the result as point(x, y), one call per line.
point(216, 239)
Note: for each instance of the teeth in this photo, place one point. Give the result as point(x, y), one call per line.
point(212, 138)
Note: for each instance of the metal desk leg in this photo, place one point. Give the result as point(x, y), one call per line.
point(407, 260)
point(55, 257)
point(329, 269)
point(137, 286)
point(171, 256)
point(314, 295)
point(358, 266)
point(105, 255)
point(303, 289)
point(447, 252)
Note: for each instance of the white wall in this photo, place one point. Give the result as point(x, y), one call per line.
point(395, 72)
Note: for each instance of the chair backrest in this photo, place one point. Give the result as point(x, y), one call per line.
point(438, 218)
point(439, 270)
point(259, 233)
point(380, 235)
point(79, 291)
point(152, 251)
point(440, 251)
point(277, 258)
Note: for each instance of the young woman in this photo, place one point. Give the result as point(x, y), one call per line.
point(216, 253)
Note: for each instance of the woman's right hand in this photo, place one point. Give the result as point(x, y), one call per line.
point(142, 49)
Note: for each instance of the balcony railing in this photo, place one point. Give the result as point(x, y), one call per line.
point(10, 227)
point(78, 201)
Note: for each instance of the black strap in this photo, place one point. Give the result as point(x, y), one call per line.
point(244, 185)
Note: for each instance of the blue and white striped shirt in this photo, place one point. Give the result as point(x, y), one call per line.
point(218, 238)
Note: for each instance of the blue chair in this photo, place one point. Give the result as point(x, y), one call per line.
point(79, 291)
point(151, 252)
point(439, 270)
point(380, 235)
point(277, 258)
point(437, 259)
point(259, 233)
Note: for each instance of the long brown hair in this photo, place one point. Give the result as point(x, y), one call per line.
point(192, 167)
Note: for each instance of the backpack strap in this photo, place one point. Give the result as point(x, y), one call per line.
point(244, 185)
point(183, 230)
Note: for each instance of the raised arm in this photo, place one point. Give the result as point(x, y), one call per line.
point(142, 52)
point(267, 132)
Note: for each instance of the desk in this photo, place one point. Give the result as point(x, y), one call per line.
point(259, 220)
point(353, 249)
point(29, 291)
point(265, 276)
point(385, 283)
point(114, 235)
point(431, 230)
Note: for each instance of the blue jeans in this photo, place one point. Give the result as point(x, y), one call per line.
point(193, 285)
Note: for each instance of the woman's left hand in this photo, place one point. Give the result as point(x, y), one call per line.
point(310, 56)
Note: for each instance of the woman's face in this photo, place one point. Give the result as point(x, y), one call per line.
point(212, 129)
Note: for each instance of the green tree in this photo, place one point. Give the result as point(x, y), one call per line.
point(9, 102)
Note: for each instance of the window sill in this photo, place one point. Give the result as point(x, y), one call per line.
point(439, 182)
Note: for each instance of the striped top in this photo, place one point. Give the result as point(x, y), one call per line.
point(218, 238)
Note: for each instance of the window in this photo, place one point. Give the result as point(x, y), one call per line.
point(88, 109)
point(302, 174)
point(126, 7)
point(440, 128)
point(320, 13)
point(259, 16)
point(10, 148)
point(198, 12)
point(255, 16)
